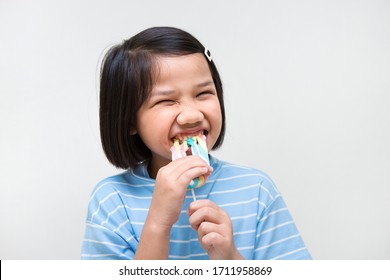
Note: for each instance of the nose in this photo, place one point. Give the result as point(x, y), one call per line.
point(189, 115)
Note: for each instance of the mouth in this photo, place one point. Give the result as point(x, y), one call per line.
point(182, 143)
point(182, 137)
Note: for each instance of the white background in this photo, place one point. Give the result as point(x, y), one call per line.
point(307, 89)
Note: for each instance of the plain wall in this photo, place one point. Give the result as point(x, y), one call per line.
point(307, 89)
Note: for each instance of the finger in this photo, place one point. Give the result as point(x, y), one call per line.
point(218, 241)
point(190, 168)
point(182, 165)
point(212, 240)
point(208, 227)
point(198, 204)
point(205, 214)
point(212, 234)
point(174, 171)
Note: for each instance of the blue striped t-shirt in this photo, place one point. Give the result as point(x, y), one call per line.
point(262, 225)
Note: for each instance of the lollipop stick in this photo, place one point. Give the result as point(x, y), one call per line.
point(193, 194)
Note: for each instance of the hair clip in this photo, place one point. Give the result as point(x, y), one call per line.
point(207, 53)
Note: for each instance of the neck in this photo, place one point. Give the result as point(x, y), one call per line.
point(152, 170)
point(155, 164)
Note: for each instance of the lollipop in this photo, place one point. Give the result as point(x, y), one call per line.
point(198, 148)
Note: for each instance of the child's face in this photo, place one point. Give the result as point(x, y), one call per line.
point(183, 102)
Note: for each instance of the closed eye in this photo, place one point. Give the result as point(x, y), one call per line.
point(204, 93)
point(165, 102)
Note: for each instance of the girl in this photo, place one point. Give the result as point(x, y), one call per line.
point(161, 85)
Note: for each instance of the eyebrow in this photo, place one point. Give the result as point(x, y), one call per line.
point(168, 92)
point(205, 84)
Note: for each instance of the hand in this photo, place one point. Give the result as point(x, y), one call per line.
point(171, 186)
point(215, 231)
point(168, 197)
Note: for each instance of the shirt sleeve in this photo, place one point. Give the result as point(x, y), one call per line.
point(277, 236)
point(108, 232)
point(102, 243)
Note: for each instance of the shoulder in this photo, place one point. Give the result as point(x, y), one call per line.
point(108, 185)
point(231, 171)
point(125, 181)
point(109, 197)
point(238, 169)
point(251, 182)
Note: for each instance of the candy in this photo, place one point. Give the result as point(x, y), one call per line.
point(198, 148)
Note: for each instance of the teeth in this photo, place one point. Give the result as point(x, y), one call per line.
point(182, 138)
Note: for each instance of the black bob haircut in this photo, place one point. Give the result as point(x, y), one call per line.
point(126, 79)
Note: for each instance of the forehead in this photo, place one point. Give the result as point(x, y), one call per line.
point(192, 68)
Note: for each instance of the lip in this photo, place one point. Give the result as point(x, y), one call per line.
point(189, 133)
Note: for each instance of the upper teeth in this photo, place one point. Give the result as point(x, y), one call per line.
point(185, 137)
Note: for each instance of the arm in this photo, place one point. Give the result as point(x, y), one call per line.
point(154, 242)
point(168, 197)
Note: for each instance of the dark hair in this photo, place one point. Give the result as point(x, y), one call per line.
point(125, 83)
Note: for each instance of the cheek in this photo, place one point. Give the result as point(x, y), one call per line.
point(216, 114)
point(215, 119)
point(148, 117)
point(154, 123)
